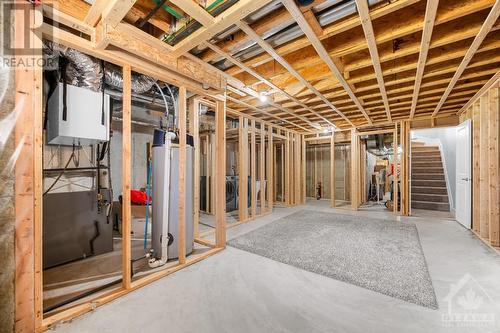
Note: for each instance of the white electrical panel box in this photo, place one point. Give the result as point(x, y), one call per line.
point(84, 121)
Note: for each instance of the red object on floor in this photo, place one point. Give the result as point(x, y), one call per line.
point(139, 197)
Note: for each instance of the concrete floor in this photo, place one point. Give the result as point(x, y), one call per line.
point(236, 291)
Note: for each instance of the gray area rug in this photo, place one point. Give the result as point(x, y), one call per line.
point(380, 255)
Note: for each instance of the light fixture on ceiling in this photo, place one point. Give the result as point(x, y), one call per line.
point(263, 98)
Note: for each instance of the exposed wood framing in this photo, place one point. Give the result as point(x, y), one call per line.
point(430, 17)
point(126, 177)
point(220, 174)
point(181, 227)
point(243, 160)
point(320, 49)
point(234, 14)
point(485, 29)
point(269, 49)
point(366, 22)
point(194, 10)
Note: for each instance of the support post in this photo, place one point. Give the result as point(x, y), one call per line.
point(262, 165)
point(253, 170)
point(332, 170)
point(270, 166)
point(181, 237)
point(126, 176)
point(243, 168)
point(220, 174)
point(194, 129)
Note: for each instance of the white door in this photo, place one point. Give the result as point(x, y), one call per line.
point(464, 179)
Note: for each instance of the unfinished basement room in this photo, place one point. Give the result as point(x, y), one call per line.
point(250, 166)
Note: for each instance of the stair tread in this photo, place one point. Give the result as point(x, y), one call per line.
point(430, 202)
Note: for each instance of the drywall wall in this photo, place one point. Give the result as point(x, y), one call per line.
point(447, 136)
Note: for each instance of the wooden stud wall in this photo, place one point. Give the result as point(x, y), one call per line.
point(484, 112)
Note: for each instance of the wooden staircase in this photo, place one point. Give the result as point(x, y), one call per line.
point(428, 182)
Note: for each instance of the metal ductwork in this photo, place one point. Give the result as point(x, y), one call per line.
point(279, 34)
point(87, 72)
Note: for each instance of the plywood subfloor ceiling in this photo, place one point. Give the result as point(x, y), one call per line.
point(389, 61)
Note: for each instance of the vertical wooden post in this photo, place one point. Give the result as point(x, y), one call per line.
point(303, 197)
point(253, 170)
point(354, 169)
point(220, 174)
point(28, 142)
point(194, 128)
point(213, 158)
point(494, 158)
point(297, 170)
point(126, 175)
point(208, 175)
point(396, 162)
point(270, 166)
point(287, 169)
point(476, 201)
point(243, 169)
point(484, 171)
point(181, 237)
point(262, 165)
point(332, 170)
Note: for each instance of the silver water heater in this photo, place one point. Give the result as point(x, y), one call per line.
point(165, 199)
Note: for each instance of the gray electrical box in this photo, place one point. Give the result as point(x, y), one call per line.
point(84, 121)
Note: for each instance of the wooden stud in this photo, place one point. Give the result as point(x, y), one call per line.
point(332, 170)
point(253, 171)
point(262, 165)
point(181, 237)
point(484, 168)
point(126, 177)
point(194, 124)
point(303, 178)
point(243, 168)
point(494, 166)
point(286, 171)
point(270, 166)
point(476, 200)
point(395, 183)
point(220, 174)
point(354, 170)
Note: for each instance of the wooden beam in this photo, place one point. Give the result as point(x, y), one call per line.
point(366, 22)
point(265, 112)
point(395, 184)
point(126, 177)
point(269, 49)
point(116, 10)
point(266, 81)
point(181, 237)
point(430, 17)
point(480, 92)
point(220, 174)
point(94, 14)
point(485, 29)
point(194, 10)
point(232, 15)
point(320, 49)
